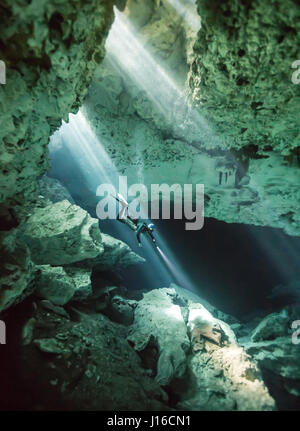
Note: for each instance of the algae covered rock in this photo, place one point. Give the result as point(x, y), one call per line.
point(277, 353)
point(61, 234)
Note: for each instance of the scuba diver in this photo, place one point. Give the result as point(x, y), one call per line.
point(143, 227)
point(138, 227)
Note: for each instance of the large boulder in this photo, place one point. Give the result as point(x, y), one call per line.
point(83, 365)
point(159, 320)
point(216, 374)
point(16, 269)
point(220, 375)
point(81, 278)
point(61, 234)
point(117, 254)
point(60, 285)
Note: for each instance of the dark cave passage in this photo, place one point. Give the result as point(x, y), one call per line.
point(225, 265)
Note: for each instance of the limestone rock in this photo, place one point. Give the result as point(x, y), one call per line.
point(82, 280)
point(51, 50)
point(274, 349)
point(60, 285)
point(121, 310)
point(157, 317)
point(61, 234)
point(50, 345)
point(280, 357)
point(53, 190)
point(229, 70)
point(54, 284)
point(240, 135)
point(82, 364)
point(192, 297)
point(116, 254)
point(272, 326)
point(225, 378)
point(17, 270)
point(221, 375)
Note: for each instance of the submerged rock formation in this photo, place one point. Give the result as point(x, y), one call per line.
point(54, 252)
point(60, 285)
point(277, 353)
point(61, 234)
point(116, 255)
point(82, 364)
point(200, 349)
point(242, 70)
point(51, 50)
point(79, 358)
point(17, 270)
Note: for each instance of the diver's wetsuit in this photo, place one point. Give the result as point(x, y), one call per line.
point(142, 227)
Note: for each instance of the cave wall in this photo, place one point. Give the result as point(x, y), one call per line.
point(51, 50)
point(241, 74)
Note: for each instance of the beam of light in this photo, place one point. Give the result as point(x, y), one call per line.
point(282, 252)
point(128, 56)
point(187, 9)
point(90, 156)
point(179, 276)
